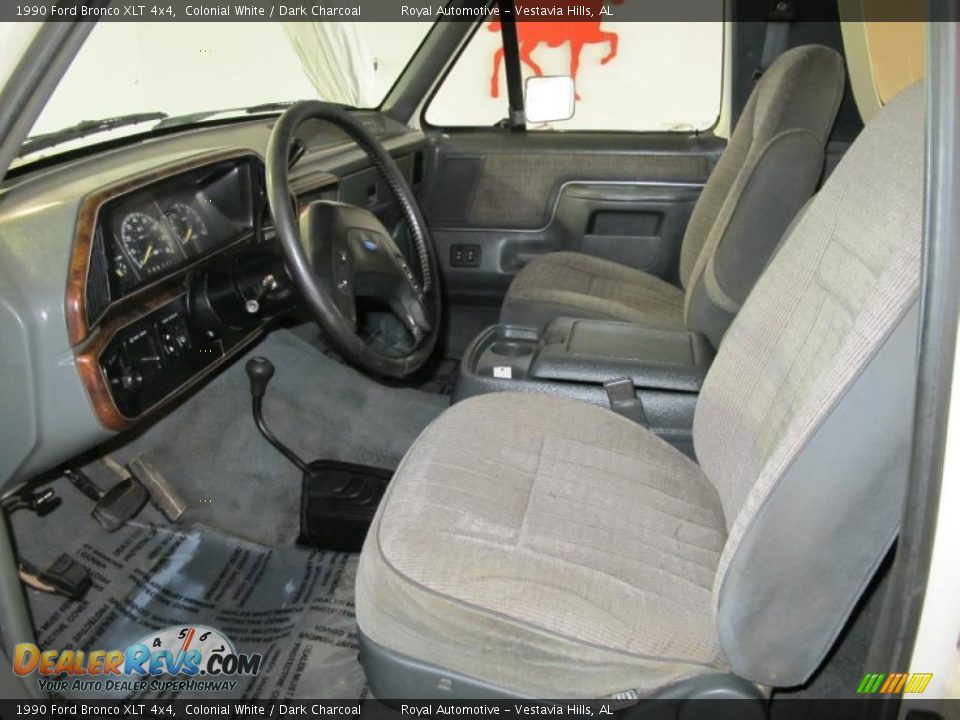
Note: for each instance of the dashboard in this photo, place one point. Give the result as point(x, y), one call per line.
point(141, 236)
point(129, 276)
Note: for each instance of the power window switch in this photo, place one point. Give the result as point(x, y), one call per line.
point(465, 256)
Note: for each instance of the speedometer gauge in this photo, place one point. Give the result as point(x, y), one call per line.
point(146, 243)
point(188, 226)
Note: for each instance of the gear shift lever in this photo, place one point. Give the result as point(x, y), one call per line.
point(339, 499)
point(260, 371)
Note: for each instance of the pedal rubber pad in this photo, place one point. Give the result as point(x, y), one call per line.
point(119, 504)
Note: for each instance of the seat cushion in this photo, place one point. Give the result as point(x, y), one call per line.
point(547, 547)
point(575, 285)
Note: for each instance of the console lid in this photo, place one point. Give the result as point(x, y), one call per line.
point(594, 351)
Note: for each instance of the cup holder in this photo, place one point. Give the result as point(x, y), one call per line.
point(508, 348)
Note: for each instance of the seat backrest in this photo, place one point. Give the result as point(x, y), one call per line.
point(770, 168)
point(804, 421)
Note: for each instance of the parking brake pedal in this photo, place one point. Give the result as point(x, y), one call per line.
point(65, 576)
point(42, 502)
point(113, 508)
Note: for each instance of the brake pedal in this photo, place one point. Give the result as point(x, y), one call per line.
point(115, 507)
point(120, 504)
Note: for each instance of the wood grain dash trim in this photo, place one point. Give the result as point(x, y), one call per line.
point(88, 362)
point(97, 385)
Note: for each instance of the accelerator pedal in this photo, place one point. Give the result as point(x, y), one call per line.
point(161, 492)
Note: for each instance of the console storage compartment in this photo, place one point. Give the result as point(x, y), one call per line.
point(574, 358)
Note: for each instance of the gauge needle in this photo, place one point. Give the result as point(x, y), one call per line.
point(147, 256)
point(189, 235)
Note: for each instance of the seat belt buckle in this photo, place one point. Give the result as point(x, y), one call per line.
point(622, 398)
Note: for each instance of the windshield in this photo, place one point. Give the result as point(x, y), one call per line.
point(132, 77)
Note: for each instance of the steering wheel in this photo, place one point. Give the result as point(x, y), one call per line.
point(338, 253)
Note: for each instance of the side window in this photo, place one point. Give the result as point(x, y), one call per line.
point(637, 76)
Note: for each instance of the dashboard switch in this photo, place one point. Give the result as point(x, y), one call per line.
point(131, 380)
point(174, 335)
point(152, 358)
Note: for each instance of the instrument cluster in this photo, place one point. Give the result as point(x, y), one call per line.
point(159, 229)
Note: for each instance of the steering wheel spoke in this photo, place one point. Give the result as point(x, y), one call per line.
point(346, 302)
point(337, 253)
point(412, 312)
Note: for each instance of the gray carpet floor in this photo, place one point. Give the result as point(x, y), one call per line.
point(232, 556)
point(234, 480)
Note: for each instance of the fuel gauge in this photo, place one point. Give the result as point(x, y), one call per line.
point(120, 267)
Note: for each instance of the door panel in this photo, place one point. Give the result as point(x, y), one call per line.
point(496, 200)
point(636, 224)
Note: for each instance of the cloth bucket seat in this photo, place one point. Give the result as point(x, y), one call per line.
point(768, 171)
point(534, 545)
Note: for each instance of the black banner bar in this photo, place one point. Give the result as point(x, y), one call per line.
point(436, 10)
point(446, 709)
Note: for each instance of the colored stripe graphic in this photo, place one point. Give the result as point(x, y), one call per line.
point(870, 683)
point(918, 682)
point(893, 683)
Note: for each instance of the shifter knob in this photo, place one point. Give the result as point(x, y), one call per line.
point(260, 371)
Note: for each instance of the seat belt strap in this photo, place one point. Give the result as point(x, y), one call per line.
point(776, 36)
point(623, 400)
point(511, 63)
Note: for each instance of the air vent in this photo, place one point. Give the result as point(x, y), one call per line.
point(98, 281)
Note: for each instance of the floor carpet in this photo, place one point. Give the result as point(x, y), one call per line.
point(231, 563)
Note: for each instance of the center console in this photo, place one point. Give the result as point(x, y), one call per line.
point(582, 359)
